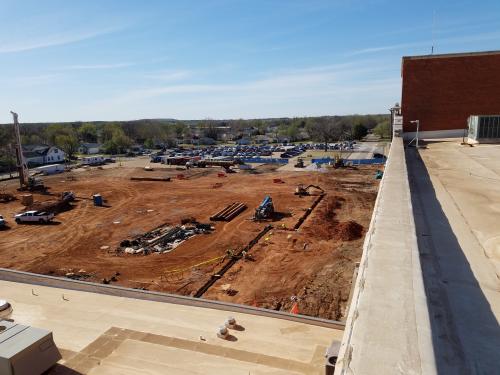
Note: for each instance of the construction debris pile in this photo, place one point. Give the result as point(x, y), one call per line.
point(55, 206)
point(6, 197)
point(163, 239)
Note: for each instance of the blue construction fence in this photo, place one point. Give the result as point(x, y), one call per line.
point(265, 160)
point(352, 161)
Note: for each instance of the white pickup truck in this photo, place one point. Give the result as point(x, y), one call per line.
point(34, 216)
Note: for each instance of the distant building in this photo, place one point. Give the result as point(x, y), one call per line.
point(206, 141)
point(263, 139)
point(224, 133)
point(243, 141)
point(283, 139)
point(442, 91)
point(89, 148)
point(42, 154)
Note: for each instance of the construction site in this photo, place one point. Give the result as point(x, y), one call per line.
point(281, 240)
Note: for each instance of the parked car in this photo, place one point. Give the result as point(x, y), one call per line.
point(3, 223)
point(34, 217)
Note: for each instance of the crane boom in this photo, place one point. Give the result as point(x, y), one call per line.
point(22, 168)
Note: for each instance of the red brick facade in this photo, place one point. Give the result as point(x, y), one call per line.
point(442, 91)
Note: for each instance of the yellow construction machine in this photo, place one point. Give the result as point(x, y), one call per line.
point(305, 190)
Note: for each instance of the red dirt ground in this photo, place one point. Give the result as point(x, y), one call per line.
point(320, 275)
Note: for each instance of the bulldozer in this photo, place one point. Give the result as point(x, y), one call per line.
point(34, 184)
point(302, 190)
point(300, 163)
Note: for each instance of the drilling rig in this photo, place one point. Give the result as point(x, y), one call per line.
point(25, 181)
point(265, 209)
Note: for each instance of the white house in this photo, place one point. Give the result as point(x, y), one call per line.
point(43, 154)
point(89, 148)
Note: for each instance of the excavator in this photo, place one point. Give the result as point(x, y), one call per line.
point(302, 190)
point(338, 161)
point(26, 181)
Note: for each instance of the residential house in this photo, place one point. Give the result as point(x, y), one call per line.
point(243, 141)
point(263, 139)
point(250, 131)
point(42, 154)
point(89, 148)
point(206, 141)
point(283, 139)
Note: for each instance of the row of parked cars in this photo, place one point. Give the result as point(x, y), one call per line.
point(230, 152)
point(247, 151)
point(346, 145)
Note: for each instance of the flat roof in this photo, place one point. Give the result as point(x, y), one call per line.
point(427, 295)
point(456, 198)
point(104, 334)
point(447, 55)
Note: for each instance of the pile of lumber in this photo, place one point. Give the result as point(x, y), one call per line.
point(230, 212)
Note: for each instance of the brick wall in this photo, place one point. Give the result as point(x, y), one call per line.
point(443, 91)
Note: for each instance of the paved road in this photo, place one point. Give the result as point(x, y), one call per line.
point(365, 150)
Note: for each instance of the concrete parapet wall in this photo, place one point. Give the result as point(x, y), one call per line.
point(63, 283)
point(388, 329)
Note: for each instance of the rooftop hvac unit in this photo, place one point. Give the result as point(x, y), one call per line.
point(484, 129)
point(26, 350)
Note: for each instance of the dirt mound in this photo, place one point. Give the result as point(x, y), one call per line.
point(330, 206)
point(325, 223)
point(51, 206)
point(348, 231)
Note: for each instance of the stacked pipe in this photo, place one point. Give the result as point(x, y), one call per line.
point(229, 212)
point(150, 178)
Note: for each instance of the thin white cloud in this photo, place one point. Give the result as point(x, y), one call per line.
point(438, 42)
point(385, 48)
point(97, 66)
point(307, 82)
point(33, 43)
point(41, 79)
point(171, 75)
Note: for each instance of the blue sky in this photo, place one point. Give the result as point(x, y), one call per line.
point(119, 60)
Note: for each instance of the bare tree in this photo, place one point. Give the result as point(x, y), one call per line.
point(322, 129)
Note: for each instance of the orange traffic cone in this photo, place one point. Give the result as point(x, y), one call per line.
point(295, 308)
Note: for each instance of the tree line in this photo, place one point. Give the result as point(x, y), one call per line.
point(117, 136)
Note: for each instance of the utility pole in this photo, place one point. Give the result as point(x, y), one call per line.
point(22, 168)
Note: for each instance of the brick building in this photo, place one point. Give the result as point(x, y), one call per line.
point(442, 91)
